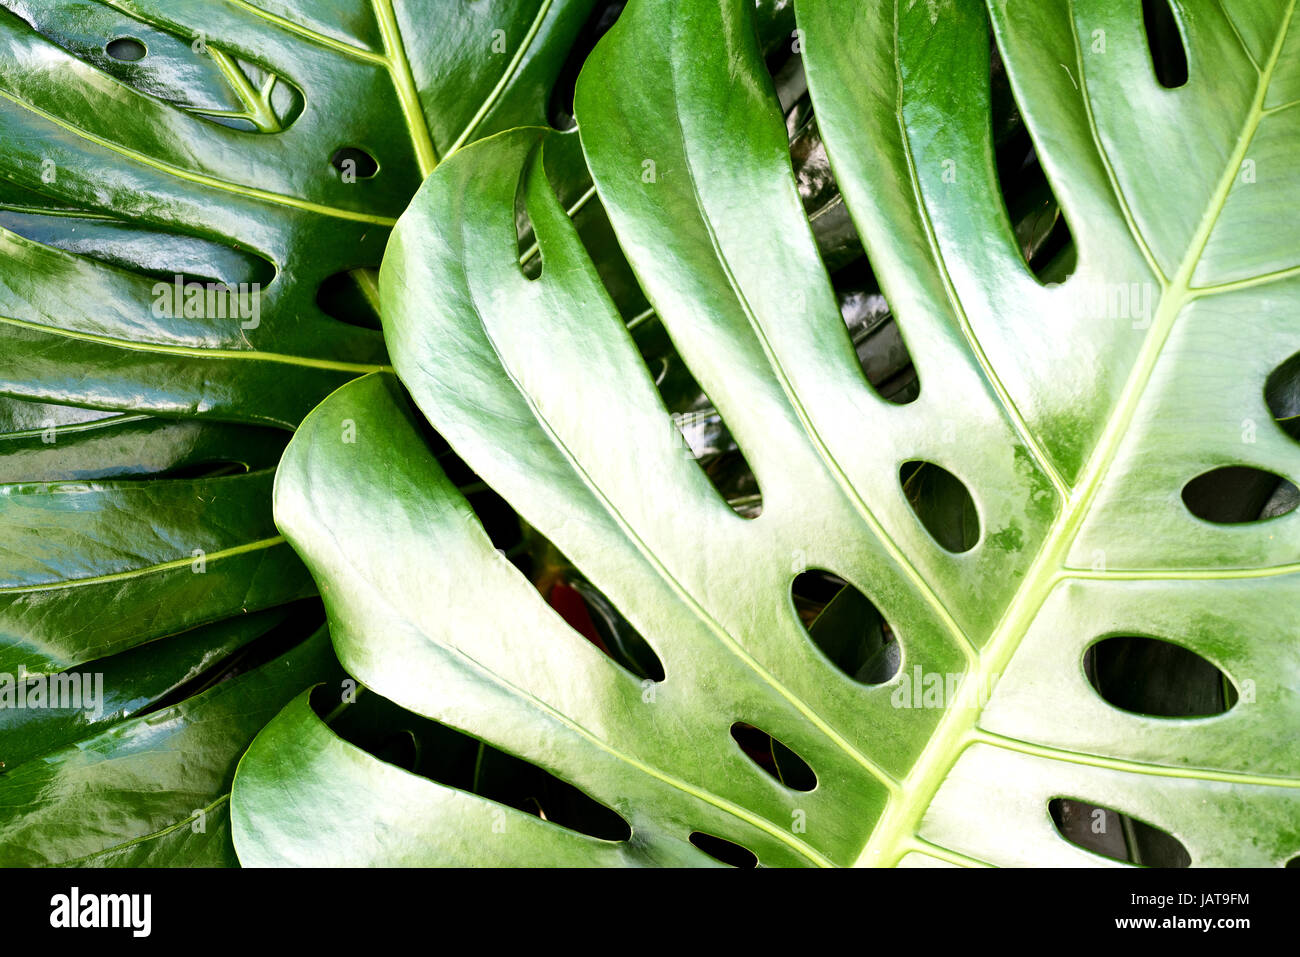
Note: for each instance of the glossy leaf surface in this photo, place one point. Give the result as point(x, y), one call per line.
point(146, 791)
point(1072, 412)
point(254, 152)
point(230, 169)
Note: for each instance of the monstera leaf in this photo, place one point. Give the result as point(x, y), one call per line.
point(221, 182)
point(125, 774)
point(1042, 497)
point(233, 144)
point(193, 197)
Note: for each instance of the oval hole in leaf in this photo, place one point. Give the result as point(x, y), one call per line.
point(846, 626)
point(942, 503)
point(354, 160)
point(725, 851)
point(774, 757)
point(1282, 393)
point(351, 296)
point(126, 49)
point(1235, 494)
point(1294, 862)
point(1168, 55)
point(1109, 833)
point(1157, 678)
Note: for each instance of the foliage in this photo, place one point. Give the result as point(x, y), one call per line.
point(1075, 411)
point(257, 154)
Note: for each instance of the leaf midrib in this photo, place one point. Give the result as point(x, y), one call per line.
point(959, 727)
point(196, 352)
point(59, 584)
point(201, 179)
point(399, 70)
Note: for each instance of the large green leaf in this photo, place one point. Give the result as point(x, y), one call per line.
point(211, 158)
point(121, 529)
point(151, 789)
point(1072, 414)
point(94, 211)
point(149, 140)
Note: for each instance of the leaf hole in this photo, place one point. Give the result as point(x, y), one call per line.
point(530, 253)
point(351, 296)
point(709, 442)
point(837, 237)
point(723, 850)
point(155, 253)
point(592, 615)
point(352, 161)
point(210, 468)
point(177, 70)
point(877, 339)
point(1165, 42)
point(704, 433)
point(93, 445)
point(500, 522)
point(1282, 393)
point(274, 632)
point(1041, 232)
point(1235, 494)
point(942, 503)
point(560, 109)
point(774, 758)
point(846, 627)
point(582, 605)
point(595, 231)
point(450, 757)
point(1157, 678)
point(1117, 836)
point(126, 49)
point(283, 102)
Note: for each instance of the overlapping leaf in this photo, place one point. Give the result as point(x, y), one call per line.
point(93, 784)
point(256, 152)
point(1074, 413)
